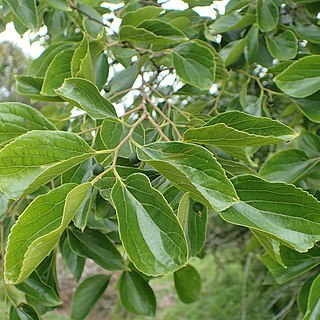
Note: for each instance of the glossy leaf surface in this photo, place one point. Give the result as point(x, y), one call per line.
point(36, 157)
point(191, 169)
point(149, 230)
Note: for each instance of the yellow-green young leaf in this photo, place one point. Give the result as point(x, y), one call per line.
point(288, 166)
point(85, 95)
point(81, 64)
point(277, 209)
point(191, 168)
point(150, 232)
point(302, 78)
point(268, 15)
point(193, 219)
point(136, 295)
point(239, 129)
point(283, 46)
point(195, 64)
point(39, 228)
point(313, 311)
point(58, 70)
point(26, 12)
point(87, 294)
point(188, 284)
point(36, 157)
point(134, 18)
point(30, 87)
point(17, 119)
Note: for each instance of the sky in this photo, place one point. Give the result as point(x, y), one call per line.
point(35, 49)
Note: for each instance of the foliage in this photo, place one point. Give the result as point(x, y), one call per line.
point(147, 130)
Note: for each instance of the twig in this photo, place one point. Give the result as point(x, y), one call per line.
point(244, 287)
point(73, 6)
point(216, 103)
point(164, 117)
point(132, 111)
point(116, 150)
point(158, 128)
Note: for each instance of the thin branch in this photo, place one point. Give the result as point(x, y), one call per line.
point(216, 103)
point(244, 287)
point(116, 150)
point(132, 111)
point(158, 128)
point(73, 6)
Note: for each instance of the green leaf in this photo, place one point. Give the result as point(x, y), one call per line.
point(313, 311)
point(58, 70)
point(74, 262)
point(310, 106)
point(124, 79)
point(310, 32)
point(252, 43)
point(17, 119)
point(87, 294)
point(268, 15)
point(81, 64)
point(30, 87)
point(36, 157)
point(4, 201)
point(38, 229)
point(96, 246)
point(92, 28)
point(81, 216)
point(85, 95)
point(234, 168)
point(153, 32)
point(39, 66)
point(113, 131)
point(283, 46)
point(280, 210)
point(239, 129)
point(287, 166)
point(149, 230)
point(34, 287)
point(101, 69)
point(23, 312)
point(272, 246)
point(296, 264)
point(134, 18)
point(193, 223)
point(195, 3)
point(188, 284)
point(234, 5)
point(26, 12)
point(309, 143)
point(302, 78)
point(231, 52)
point(193, 169)
point(195, 64)
point(59, 4)
point(136, 295)
point(232, 21)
